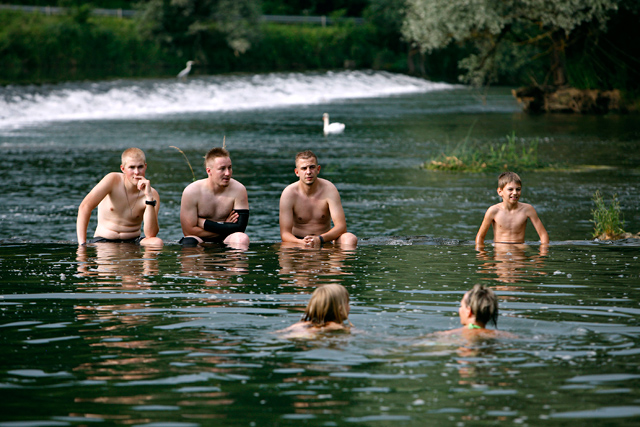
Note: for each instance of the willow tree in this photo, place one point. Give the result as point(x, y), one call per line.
point(503, 32)
point(193, 26)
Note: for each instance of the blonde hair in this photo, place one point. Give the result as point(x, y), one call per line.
point(133, 152)
point(483, 304)
point(214, 153)
point(328, 303)
point(507, 177)
point(308, 154)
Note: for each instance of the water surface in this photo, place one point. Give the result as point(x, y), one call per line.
point(116, 334)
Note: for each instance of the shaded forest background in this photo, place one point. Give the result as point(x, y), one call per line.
point(225, 36)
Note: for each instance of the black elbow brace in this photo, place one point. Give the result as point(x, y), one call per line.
point(223, 229)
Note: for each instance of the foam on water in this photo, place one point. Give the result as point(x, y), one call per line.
point(151, 98)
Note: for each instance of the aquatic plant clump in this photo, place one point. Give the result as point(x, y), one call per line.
point(512, 155)
point(607, 220)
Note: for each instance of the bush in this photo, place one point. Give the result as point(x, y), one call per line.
point(606, 219)
point(511, 155)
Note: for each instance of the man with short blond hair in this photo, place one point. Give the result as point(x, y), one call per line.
point(215, 209)
point(310, 205)
point(124, 200)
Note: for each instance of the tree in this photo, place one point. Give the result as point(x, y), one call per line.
point(193, 26)
point(500, 32)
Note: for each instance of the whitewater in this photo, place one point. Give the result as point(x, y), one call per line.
point(139, 99)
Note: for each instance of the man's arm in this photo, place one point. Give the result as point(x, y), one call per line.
point(286, 216)
point(151, 225)
point(542, 232)
point(489, 216)
point(237, 220)
point(91, 201)
point(189, 213)
point(337, 217)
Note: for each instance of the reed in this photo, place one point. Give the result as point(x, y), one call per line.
point(607, 220)
point(188, 162)
point(513, 154)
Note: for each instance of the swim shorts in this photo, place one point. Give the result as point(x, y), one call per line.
point(98, 239)
point(192, 241)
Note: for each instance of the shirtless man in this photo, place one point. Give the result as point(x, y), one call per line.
point(124, 200)
point(215, 209)
point(308, 206)
point(509, 218)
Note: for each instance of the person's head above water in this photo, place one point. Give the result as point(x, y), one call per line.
point(215, 153)
point(308, 154)
point(328, 303)
point(478, 307)
point(507, 178)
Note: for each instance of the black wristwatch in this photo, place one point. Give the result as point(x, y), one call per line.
point(150, 202)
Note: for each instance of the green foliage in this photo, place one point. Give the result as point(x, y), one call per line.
point(467, 157)
point(606, 219)
point(38, 48)
point(522, 31)
point(193, 28)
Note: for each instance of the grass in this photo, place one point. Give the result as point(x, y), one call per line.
point(607, 220)
point(514, 154)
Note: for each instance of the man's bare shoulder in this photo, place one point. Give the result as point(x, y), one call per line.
point(327, 186)
point(114, 176)
point(291, 190)
point(194, 187)
point(236, 186)
point(112, 180)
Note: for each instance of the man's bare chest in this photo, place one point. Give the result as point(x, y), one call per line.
point(311, 210)
point(216, 208)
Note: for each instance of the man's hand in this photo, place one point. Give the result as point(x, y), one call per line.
point(144, 185)
point(233, 217)
point(312, 241)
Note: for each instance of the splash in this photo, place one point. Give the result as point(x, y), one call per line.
point(138, 99)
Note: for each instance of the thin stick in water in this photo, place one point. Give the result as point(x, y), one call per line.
point(188, 162)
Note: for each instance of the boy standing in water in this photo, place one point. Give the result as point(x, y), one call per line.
point(509, 218)
point(124, 200)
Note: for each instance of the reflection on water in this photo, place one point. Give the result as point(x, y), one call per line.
point(186, 335)
point(511, 264)
point(312, 267)
point(121, 265)
point(216, 266)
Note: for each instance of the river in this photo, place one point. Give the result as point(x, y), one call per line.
point(188, 336)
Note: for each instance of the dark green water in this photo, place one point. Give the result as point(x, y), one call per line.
point(119, 335)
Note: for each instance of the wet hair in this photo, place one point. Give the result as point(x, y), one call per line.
point(308, 154)
point(483, 304)
point(215, 152)
point(133, 152)
point(507, 177)
point(328, 303)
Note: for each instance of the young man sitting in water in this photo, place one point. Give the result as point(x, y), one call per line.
point(308, 206)
point(509, 218)
point(124, 200)
point(215, 209)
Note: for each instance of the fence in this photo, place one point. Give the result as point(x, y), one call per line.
point(127, 13)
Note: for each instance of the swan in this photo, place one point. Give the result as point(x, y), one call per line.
point(332, 128)
point(184, 73)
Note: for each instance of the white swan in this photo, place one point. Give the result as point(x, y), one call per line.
point(184, 73)
point(332, 128)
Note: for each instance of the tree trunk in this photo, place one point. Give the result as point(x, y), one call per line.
point(558, 69)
